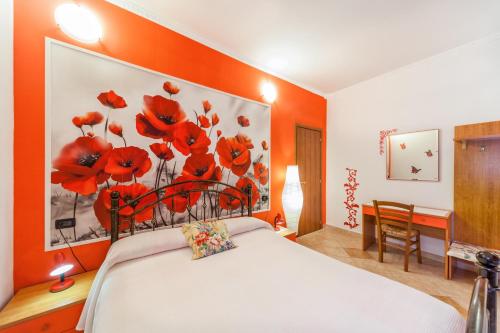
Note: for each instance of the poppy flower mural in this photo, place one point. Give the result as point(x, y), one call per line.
point(131, 130)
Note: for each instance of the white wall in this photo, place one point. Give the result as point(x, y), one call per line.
point(6, 144)
point(457, 87)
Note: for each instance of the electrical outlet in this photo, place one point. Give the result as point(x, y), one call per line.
point(65, 223)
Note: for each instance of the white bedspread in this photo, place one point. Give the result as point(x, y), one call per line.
point(266, 284)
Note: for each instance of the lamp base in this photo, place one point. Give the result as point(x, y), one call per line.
point(61, 285)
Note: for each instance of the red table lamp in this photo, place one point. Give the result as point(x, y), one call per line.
point(60, 269)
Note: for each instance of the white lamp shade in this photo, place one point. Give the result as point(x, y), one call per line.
point(61, 269)
point(292, 198)
point(78, 22)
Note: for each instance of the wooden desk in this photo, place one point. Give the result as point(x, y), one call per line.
point(431, 222)
point(36, 309)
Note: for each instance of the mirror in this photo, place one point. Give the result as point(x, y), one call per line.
point(413, 156)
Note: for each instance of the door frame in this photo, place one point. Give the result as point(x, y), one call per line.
point(320, 130)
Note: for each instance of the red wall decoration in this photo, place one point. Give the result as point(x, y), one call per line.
point(382, 135)
point(351, 206)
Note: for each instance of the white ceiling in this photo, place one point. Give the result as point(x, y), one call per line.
point(326, 45)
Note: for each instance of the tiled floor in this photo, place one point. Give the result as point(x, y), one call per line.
point(428, 277)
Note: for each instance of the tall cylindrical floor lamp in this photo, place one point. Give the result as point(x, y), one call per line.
point(292, 198)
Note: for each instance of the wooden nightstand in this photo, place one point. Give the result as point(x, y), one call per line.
point(287, 233)
point(36, 309)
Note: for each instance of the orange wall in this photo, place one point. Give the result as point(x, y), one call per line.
point(136, 40)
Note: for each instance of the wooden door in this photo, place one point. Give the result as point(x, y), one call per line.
point(308, 158)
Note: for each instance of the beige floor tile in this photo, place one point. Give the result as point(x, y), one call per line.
point(428, 277)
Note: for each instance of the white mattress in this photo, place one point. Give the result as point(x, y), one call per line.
point(266, 284)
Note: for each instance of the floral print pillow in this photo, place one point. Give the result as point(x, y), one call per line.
point(207, 238)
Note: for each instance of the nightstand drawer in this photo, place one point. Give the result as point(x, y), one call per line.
point(59, 321)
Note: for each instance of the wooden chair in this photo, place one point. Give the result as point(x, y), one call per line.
point(394, 220)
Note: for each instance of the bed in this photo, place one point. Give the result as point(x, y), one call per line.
point(148, 283)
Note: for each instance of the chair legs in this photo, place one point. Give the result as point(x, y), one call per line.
point(381, 246)
point(407, 253)
point(419, 252)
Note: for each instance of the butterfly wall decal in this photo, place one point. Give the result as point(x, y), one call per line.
point(429, 153)
point(415, 170)
point(403, 145)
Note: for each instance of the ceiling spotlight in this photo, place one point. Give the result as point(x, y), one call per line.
point(78, 22)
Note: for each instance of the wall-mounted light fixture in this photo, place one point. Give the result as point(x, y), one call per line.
point(268, 91)
point(78, 22)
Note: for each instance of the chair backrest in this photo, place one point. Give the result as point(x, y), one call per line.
point(393, 213)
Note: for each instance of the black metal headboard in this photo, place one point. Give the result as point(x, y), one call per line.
point(211, 191)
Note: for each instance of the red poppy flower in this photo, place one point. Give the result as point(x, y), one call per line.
point(243, 121)
point(264, 145)
point(199, 166)
point(77, 121)
point(245, 140)
point(116, 129)
point(171, 88)
point(230, 199)
point(92, 118)
point(242, 185)
point(162, 151)
point(217, 175)
point(111, 100)
point(219, 133)
point(204, 122)
point(180, 202)
point(80, 165)
point(215, 119)
point(126, 162)
point(206, 106)
point(261, 173)
point(102, 206)
point(234, 155)
point(90, 134)
point(190, 138)
point(160, 117)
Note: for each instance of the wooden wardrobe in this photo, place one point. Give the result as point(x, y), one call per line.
point(477, 184)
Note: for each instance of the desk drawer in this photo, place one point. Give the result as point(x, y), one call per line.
point(431, 221)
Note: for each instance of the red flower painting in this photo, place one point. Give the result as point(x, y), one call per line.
point(234, 155)
point(160, 117)
point(80, 165)
point(111, 100)
point(191, 139)
point(128, 193)
point(127, 163)
point(173, 154)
